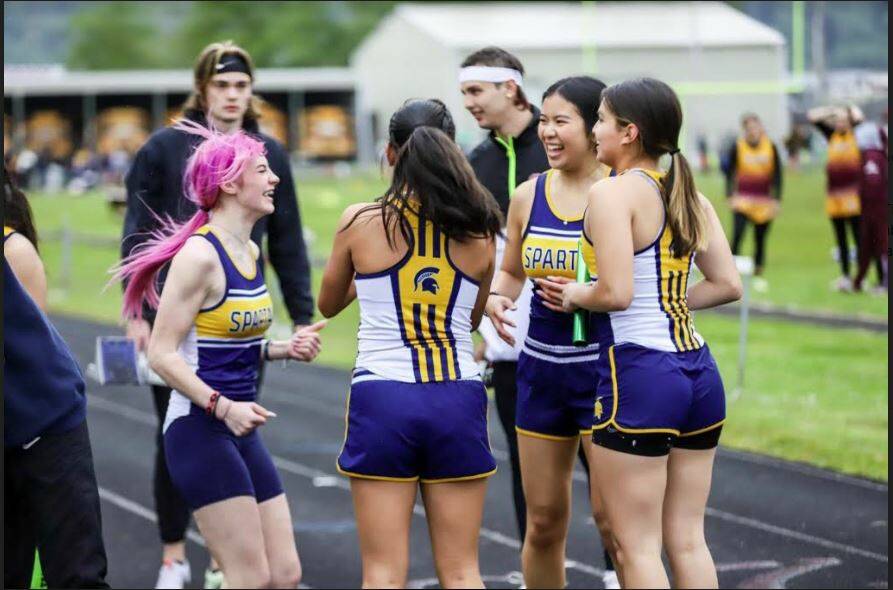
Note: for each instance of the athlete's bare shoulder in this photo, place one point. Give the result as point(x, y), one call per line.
point(197, 253)
point(358, 216)
point(524, 192)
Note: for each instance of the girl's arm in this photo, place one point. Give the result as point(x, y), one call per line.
point(721, 282)
point(508, 281)
point(337, 290)
point(609, 221)
point(27, 266)
point(484, 288)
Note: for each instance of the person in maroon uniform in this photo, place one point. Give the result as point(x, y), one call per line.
point(872, 142)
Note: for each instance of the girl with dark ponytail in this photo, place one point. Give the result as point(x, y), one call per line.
point(419, 260)
point(660, 403)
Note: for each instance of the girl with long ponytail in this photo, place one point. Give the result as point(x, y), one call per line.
point(660, 403)
point(419, 260)
point(207, 344)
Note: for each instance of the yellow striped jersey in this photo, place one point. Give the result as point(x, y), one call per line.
point(415, 317)
point(549, 248)
point(223, 346)
point(658, 316)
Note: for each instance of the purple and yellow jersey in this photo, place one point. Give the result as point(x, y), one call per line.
point(223, 347)
point(7, 231)
point(658, 317)
point(415, 317)
point(549, 248)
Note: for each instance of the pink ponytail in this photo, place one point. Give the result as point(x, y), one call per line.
point(219, 159)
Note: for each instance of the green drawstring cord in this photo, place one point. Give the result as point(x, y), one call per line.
point(37, 579)
point(510, 154)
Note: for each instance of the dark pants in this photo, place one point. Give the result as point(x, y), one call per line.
point(761, 230)
point(843, 248)
point(874, 241)
point(505, 392)
point(173, 513)
point(52, 504)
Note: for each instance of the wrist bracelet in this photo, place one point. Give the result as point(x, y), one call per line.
point(212, 403)
point(496, 293)
point(266, 350)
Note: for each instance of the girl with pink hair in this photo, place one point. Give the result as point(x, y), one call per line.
point(208, 344)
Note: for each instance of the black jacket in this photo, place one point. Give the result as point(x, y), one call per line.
point(491, 165)
point(155, 181)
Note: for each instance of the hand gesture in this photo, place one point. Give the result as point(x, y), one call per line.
point(556, 293)
point(495, 309)
point(305, 343)
point(243, 417)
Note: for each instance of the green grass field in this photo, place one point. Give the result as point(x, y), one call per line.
point(812, 394)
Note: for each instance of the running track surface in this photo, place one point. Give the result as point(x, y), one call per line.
point(770, 524)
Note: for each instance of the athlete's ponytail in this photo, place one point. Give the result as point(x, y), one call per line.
point(654, 109)
point(219, 159)
point(430, 168)
point(685, 215)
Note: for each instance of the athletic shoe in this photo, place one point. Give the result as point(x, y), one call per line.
point(174, 574)
point(213, 579)
point(843, 285)
point(609, 579)
point(760, 285)
point(878, 290)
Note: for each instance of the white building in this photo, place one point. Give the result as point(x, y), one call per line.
point(721, 61)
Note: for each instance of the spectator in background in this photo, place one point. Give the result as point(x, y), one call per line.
point(222, 97)
point(873, 185)
point(703, 158)
point(51, 498)
point(844, 172)
point(753, 187)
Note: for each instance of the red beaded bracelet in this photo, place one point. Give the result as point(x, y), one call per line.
point(212, 404)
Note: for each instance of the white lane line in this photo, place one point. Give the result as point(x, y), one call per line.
point(142, 511)
point(307, 471)
point(771, 528)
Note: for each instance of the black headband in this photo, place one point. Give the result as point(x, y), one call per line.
point(232, 62)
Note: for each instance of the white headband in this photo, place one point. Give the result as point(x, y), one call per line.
point(489, 74)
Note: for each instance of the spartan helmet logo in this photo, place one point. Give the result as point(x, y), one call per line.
point(426, 280)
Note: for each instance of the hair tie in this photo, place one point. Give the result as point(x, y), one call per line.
point(674, 151)
point(205, 208)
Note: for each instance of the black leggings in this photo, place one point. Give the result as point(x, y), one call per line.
point(843, 248)
point(505, 392)
point(760, 232)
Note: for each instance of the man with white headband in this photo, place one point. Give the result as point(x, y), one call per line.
point(492, 84)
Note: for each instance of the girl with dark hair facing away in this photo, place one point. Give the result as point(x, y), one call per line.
point(207, 344)
point(660, 403)
point(556, 379)
point(419, 260)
